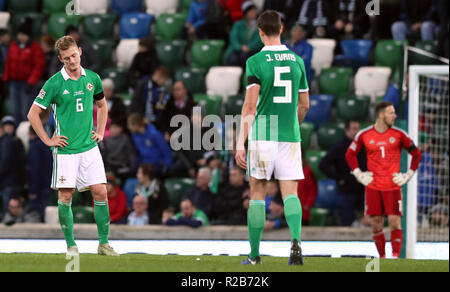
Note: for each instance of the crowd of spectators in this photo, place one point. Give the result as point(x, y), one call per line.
point(137, 138)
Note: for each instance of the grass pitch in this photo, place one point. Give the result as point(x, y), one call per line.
point(177, 263)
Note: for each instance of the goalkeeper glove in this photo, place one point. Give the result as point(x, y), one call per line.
point(402, 178)
point(364, 177)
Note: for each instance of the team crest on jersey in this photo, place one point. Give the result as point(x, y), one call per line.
point(42, 94)
point(90, 86)
point(372, 142)
point(392, 140)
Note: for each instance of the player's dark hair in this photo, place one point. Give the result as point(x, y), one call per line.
point(270, 22)
point(349, 122)
point(381, 106)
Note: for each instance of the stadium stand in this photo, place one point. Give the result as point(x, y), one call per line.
point(372, 81)
point(171, 53)
point(98, 26)
point(329, 134)
point(88, 7)
point(54, 6)
point(158, 7)
point(58, 23)
point(135, 25)
point(323, 54)
point(129, 6)
point(168, 26)
point(223, 81)
point(320, 107)
point(193, 78)
point(125, 52)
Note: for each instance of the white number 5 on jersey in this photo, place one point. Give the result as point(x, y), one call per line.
point(287, 84)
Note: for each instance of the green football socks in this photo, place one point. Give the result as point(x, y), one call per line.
point(256, 220)
point(101, 215)
point(293, 215)
point(66, 220)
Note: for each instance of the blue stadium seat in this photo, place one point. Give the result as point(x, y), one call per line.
point(128, 189)
point(355, 53)
point(319, 110)
point(135, 25)
point(2, 5)
point(126, 6)
point(327, 197)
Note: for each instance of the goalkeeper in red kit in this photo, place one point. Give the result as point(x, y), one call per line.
point(383, 144)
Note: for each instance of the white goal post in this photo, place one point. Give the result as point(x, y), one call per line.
point(414, 113)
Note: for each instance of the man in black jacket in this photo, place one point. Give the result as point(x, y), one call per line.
point(12, 162)
point(333, 165)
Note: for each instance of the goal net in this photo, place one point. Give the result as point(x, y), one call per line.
point(428, 125)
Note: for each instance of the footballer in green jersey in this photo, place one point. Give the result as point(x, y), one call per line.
point(276, 101)
point(77, 162)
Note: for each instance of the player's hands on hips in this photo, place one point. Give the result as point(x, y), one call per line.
point(364, 177)
point(402, 178)
point(96, 137)
point(241, 159)
point(58, 141)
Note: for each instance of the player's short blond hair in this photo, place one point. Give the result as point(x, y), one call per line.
point(64, 43)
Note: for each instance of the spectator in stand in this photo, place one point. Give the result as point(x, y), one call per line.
point(307, 191)
point(233, 8)
point(244, 37)
point(90, 59)
point(180, 103)
point(416, 17)
point(19, 212)
point(443, 42)
point(439, 213)
point(150, 144)
point(299, 45)
point(275, 219)
point(150, 187)
point(23, 70)
point(5, 40)
point(228, 205)
point(40, 163)
point(144, 62)
point(47, 43)
point(216, 21)
point(117, 202)
point(196, 20)
point(200, 195)
point(288, 9)
point(139, 216)
point(334, 166)
point(119, 154)
point(167, 214)
point(117, 111)
point(151, 96)
point(12, 162)
point(273, 190)
point(189, 216)
point(350, 20)
point(314, 18)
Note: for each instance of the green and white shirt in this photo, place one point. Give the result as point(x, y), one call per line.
point(72, 102)
point(281, 75)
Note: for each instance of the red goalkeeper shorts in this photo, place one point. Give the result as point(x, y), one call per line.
point(379, 203)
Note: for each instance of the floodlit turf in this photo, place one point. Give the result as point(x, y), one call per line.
point(176, 263)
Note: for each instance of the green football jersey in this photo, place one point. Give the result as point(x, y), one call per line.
point(72, 103)
point(281, 75)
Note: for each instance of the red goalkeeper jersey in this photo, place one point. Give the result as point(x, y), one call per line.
point(383, 154)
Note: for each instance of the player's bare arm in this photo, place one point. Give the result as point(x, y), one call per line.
point(34, 116)
point(247, 118)
point(102, 117)
point(303, 106)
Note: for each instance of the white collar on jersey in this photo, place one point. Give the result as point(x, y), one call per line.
point(275, 48)
point(66, 75)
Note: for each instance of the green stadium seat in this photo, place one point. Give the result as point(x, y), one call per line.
point(206, 53)
point(99, 26)
point(329, 134)
point(37, 22)
point(83, 215)
point(335, 81)
point(54, 6)
point(353, 108)
point(184, 5)
point(104, 49)
point(313, 158)
point(318, 217)
point(428, 46)
point(169, 26)
point(171, 53)
point(23, 6)
point(234, 104)
point(211, 103)
point(120, 78)
point(193, 78)
point(306, 132)
point(176, 189)
point(58, 23)
point(390, 53)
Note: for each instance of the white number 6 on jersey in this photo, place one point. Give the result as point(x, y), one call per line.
point(79, 105)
